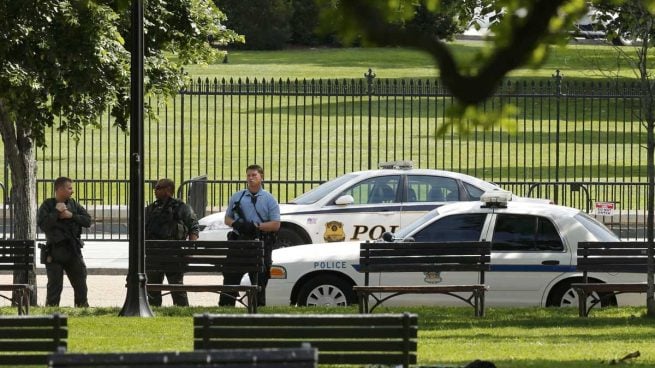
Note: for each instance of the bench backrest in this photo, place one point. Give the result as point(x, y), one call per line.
point(27, 340)
point(299, 357)
point(17, 255)
point(388, 339)
point(204, 256)
point(424, 257)
point(629, 257)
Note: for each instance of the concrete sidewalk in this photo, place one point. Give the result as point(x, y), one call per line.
point(110, 291)
point(107, 263)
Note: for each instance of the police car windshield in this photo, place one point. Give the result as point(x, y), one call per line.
point(411, 228)
point(322, 190)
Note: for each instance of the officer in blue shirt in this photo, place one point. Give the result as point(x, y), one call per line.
point(253, 213)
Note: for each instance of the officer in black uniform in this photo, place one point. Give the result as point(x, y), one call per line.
point(253, 213)
point(61, 218)
point(168, 218)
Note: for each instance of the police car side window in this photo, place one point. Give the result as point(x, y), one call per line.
point(425, 188)
point(525, 233)
point(381, 189)
point(464, 227)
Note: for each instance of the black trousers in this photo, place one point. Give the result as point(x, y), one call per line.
point(179, 297)
point(229, 299)
point(65, 258)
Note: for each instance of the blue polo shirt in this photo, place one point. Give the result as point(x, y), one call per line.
point(257, 208)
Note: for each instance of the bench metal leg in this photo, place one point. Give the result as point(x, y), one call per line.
point(363, 303)
point(23, 301)
point(582, 303)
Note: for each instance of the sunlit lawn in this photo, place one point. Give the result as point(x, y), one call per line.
point(510, 337)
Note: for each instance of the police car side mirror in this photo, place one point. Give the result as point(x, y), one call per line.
point(344, 200)
point(387, 237)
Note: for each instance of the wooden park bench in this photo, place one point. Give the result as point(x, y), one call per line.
point(441, 258)
point(608, 257)
point(212, 257)
point(299, 357)
point(27, 340)
point(353, 339)
point(17, 255)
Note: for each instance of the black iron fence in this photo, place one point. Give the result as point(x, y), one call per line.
point(578, 143)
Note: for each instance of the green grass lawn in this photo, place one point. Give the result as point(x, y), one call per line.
point(510, 337)
point(575, 61)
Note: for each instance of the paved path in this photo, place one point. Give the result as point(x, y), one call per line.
point(107, 263)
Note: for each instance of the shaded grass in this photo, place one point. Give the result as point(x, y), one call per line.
point(510, 337)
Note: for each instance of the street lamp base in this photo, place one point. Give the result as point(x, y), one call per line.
point(136, 301)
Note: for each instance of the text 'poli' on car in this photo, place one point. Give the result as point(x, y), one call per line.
point(533, 255)
point(363, 205)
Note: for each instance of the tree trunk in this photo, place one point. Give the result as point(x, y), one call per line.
point(19, 153)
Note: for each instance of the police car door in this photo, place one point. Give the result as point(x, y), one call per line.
point(527, 253)
point(375, 209)
point(457, 227)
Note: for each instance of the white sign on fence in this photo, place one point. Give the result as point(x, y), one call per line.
point(605, 208)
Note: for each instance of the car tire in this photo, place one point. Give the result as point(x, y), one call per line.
point(287, 238)
point(563, 295)
point(326, 290)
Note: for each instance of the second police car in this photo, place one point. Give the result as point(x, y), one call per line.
point(533, 257)
point(363, 205)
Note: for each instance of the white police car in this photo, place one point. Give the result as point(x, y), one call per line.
point(362, 205)
point(532, 262)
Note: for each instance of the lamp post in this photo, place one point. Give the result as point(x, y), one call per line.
point(136, 301)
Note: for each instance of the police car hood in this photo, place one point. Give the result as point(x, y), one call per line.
point(219, 217)
point(320, 252)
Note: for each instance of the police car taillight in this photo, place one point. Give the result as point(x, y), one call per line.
point(496, 198)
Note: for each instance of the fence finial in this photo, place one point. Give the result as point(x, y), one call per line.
point(369, 80)
point(558, 81)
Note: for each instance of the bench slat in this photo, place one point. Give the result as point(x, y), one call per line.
point(347, 333)
point(626, 244)
point(325, 346)
point(425, 268)
point(305, 319)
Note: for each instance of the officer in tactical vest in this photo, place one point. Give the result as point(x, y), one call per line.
point(168, 218)
point(61, 218)
point(253, 213)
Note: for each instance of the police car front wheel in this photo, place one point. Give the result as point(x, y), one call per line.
point(326, 290)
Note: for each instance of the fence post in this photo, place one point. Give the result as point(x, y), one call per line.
point(182, 130)
point(558, 95)
point(370, 76)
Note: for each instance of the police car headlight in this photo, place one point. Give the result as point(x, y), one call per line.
point(278, 272)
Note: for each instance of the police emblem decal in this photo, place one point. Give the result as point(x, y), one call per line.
point(334, 232)
point(432, 277)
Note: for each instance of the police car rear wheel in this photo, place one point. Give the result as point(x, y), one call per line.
point(288, 238)
point(326, 290)
point(564, 295)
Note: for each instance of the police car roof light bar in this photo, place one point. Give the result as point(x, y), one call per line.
point(496, 199)
point(402, 164)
